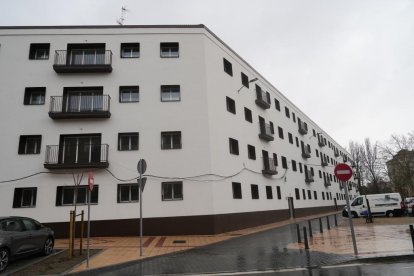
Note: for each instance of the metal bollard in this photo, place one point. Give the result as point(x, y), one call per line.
point(298, 233)
point(336, 221)
point(327, 223)
point(310, 228)
point(320, 225)
point(412, 234)
point(305, 238)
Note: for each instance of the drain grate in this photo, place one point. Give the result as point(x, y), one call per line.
point(179, 241)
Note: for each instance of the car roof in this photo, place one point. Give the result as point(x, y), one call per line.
point(9, 217)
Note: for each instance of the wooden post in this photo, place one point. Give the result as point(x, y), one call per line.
point(71, 234)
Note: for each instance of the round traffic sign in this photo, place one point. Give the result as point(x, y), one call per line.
point(343, 172)
point(142, 166)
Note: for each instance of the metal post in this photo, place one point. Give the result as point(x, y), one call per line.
point(412, 234)
point(298, 233)
point(327, 223)
point(73, 232)
point(70, 233)
point(89, 229)
point(336, 221)
point(351, 225)
point(310, 228)
point(140, 214)
point(305, 237)
point(320, 225)
point(81, 234)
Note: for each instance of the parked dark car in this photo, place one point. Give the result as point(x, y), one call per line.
point(20, 236)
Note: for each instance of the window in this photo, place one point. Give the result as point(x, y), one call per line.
point(294, 168)
point(277, 104)
point(129, 50)
point(69, 195)
point(170, 93)
point(290, 138)
point(30, 144)
point(128, 94)
point(248, 115)
point(280, 132)
point(128, 193)
point(255, 191)
point(279, 195)
point(251, 152)
point(128, 141)
point(315, 195)
point(275, 159)
point(300, 167)
point(297, 193)
point(297, 141)
point(34, 95)
point(39, 51)
point(312, 171)
point(320, 174)
point(172, 191)
point(269, 192)
point(309, 194)
point(284, 162)
point(317, 152)
point(234, 146)
point(228, 68)
point(24, 197)
point(245, 80)
point(304, 194)
point(169, 49)
point(237, 191)
point(231, 105)
point(287, 112)
point(171, 140)
point(294, 117)
point(323, 195)
point(314, 132)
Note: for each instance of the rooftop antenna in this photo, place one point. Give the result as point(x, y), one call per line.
point(121, 20)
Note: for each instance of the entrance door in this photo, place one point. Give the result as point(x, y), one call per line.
point(291, 208)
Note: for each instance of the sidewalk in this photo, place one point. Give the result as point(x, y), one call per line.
point(380, 238)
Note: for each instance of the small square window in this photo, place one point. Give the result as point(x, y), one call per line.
point(30, 144)
point(245, 80)
point(280, 132)
point(65, 195)
point(24, 197)
point(170, 93)
point(255, 191)
point(284, 162)
point(234, 146)
point(128, 94)
point(128, 193)
point(251, 150)
point(39, 51)
point(228, 68)
point(231, 105)
point(171, 140)
point(277, 104)
point(172, 191)
point(169, 50)
point(248, 115)
point(130, 50)
point(287, 112)
point(128, 141)
point(34, 96)
point(269, 192)
point(237, 191)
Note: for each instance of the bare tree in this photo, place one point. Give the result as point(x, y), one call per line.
point(373, 165)
point(357, 154)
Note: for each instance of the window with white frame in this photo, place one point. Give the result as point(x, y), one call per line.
point(172, 191)
point(129, 94)
point(171, 140)
point(128, 141)
point(71, 195)
point(128, 193)
point(169, 49)
point(39, 51)
point(30, 144)
point(170, 93)
point(130, 50)
point(24, 197)
point(34, 96)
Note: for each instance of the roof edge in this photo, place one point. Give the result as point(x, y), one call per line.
point(101, 27)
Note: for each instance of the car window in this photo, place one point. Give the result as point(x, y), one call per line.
point(357, 201)
point(3, 226)
point(29, 225)
point(13, 226)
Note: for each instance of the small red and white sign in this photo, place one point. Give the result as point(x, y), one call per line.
point(343, 172)
point(90, 181)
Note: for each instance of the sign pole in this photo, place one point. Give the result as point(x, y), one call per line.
point(89, 228)
point(140, 213)
point(351, 224)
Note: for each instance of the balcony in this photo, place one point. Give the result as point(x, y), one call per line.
point(306, 153)
point(79, 106)
point(266, 132)
point(324, 162)
point(76, 157)
point(269, 167)
point(321, 142)
point(303, 128)
point(336, 153)
point(83, 61)
point(308, 177)
point(262, 99)
point(327, 182)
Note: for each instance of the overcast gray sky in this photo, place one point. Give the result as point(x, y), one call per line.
point(349, 65)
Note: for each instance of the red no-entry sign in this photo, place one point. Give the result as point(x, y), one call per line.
point(343, 172)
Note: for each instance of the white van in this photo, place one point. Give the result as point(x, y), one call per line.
point(381, 204)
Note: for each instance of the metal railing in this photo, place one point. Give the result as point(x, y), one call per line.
point(262, 96)
point(269, 164)
point(85, 57)
point(79, 104)
point(85, 154)
point(303, 129)
point(266, 129)
point(308, 176)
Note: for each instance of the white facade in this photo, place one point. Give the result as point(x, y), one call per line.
point(200, 115)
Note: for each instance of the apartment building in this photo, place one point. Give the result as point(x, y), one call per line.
point(225, 149)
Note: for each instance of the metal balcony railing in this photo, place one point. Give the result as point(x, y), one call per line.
point(75, 156)
point(262, 98)
point(306, 153)
point(327, 182)
point(269, 166)
point(308, 177)
point(303, 129)
point(324, 162)
point(266, 132)
point(83, 60)
point(80, 106)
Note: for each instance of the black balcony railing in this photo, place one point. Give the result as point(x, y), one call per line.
point(308, 177)
point(266, 132)
point(75, 156)
point(269, 166)
point(83, 61)
point(303, 129)
point(306, 153)
point(324, 162)
point(262, 99)
point(80, 106)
